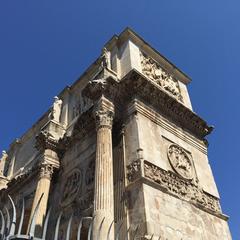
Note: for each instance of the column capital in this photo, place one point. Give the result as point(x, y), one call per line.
point(104, 113)
point(104, 118)
point(46, 171)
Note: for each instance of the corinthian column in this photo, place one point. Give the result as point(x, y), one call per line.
point(42, 189)
point(103, 195)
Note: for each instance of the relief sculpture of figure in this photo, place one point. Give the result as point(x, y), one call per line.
point(56, 109)
point(180, 161)
point(105, 59)
point(171, 85)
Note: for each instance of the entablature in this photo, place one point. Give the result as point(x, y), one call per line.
point(136, 85)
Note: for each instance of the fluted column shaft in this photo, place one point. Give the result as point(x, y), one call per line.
point(104, 194)
point(42, 190)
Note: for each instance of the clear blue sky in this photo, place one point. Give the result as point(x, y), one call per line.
point(45, 45)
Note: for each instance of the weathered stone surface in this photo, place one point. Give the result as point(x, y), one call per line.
point(121, 144)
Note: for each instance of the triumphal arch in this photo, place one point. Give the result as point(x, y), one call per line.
point(119, 155)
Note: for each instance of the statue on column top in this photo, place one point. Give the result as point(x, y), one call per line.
point(56, 109)
point(105, 58)
point(2, 162)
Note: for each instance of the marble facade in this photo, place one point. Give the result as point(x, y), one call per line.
point(121, 144)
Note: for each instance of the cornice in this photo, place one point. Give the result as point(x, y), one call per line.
point(129, 34)
point(19, 180)
point(43, 170)
point(136, 85)
point(140, 107)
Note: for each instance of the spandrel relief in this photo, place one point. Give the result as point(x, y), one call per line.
point(71, 187)
point(85, 199)
point(79, 186)
point(154, 72)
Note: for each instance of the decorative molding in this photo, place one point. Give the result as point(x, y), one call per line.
point(180, 161)
point(137, 86)
point(138, 106)
point(154, 72)
point(22, 176)
point(171, 183)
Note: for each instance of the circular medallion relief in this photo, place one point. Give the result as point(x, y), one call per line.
point(180, 161)
point(71, 187)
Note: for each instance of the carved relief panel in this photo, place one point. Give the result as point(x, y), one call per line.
point(85, 199)
point(79, 185)
point(157, 74)
point(180, 161)
point(71, 187)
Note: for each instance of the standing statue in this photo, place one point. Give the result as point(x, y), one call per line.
point(2, 162)
point(56, 109)
point(105, 58)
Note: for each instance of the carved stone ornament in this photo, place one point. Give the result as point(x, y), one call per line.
point(154, 72)
point(134, 170)
point(181, 188)
point(171, 183)
point(180, 161)
point(104, 119)
point(46, 171)
point(71, 187)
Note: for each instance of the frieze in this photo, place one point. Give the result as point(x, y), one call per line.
point(180, 161)
point(181, 188)
point(142, 87)
point(173, 184)
point(71, 187)
point(139, 86)
point(153, 71)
